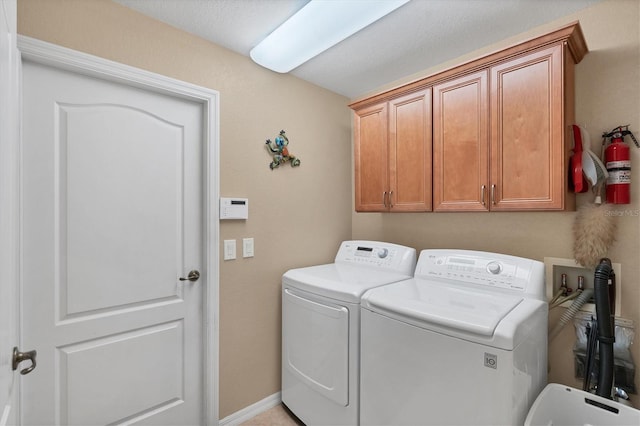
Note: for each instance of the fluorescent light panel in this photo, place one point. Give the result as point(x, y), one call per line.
point(316, 27)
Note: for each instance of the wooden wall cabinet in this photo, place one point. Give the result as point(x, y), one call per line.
point(392, 155)
point(461, 143)
point(371, 158)
point(516, 163)
point(499, 131)
point(529, 152)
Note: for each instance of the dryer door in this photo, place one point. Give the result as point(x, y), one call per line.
point(315, 344)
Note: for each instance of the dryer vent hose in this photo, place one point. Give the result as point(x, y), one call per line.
point(571, 312)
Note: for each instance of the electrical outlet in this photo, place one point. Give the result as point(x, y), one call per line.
point(229, 249)
point(247, 247)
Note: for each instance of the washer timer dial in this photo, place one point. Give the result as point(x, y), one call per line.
point(382, 253)
point(494, 267)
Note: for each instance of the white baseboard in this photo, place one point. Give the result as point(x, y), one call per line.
point(252, 410)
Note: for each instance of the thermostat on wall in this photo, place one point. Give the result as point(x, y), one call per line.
point(234, 208)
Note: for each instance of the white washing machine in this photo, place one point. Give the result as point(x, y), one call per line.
point(321, 328)
point(464, 342)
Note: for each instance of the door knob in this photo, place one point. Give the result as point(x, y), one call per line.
point(18, 357)
point(193, 276)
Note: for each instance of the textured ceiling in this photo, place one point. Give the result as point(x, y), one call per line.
point(419, 35)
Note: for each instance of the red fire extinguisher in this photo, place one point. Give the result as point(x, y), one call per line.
point(618, 163)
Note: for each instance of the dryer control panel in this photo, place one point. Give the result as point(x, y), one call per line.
point(490, 270)
point(377, 254)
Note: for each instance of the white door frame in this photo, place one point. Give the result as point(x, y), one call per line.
point(9, 210)
point(82, 63)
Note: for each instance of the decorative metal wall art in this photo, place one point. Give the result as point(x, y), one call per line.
point(278, 148)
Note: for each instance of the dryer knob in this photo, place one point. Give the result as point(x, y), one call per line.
point(382, 253)
point(494, 267)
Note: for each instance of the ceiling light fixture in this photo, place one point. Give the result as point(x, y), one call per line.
point(316, 27)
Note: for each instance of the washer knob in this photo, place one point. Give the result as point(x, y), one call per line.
point(494, 267)
point(382, 253)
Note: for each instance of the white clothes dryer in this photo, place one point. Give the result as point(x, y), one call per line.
point(321, 328)
point(464, 342)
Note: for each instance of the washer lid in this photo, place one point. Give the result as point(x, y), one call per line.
point(339, 281)
point(427, 303)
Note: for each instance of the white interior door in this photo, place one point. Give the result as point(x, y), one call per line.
point(9, 211)
point(112, 184)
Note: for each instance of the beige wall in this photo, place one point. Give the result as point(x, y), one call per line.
point(297, 216)
point(607, 95)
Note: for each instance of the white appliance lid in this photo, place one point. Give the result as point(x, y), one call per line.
point(339, 281)
point(428, 302)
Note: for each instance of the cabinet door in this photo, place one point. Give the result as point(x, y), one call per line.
point(461, 144)
point(527, 140)
point(371, 158)
point(410, 152)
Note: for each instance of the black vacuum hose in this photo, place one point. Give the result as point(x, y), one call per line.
point(606, 336)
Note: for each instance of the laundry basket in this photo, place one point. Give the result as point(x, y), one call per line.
point(562, 405)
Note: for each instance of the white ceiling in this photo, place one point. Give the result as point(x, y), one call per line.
point(418, 35)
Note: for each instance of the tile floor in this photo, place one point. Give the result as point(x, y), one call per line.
point(276, 416)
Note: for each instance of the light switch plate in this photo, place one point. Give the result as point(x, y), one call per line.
point(229, 249)
point(247, 247)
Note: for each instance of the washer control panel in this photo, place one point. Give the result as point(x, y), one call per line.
point(479, 268)
point(378, 254)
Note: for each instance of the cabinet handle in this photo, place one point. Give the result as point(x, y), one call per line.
point(390, 202)
point(493, 194)
point(483, 189)
point(384, 199)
